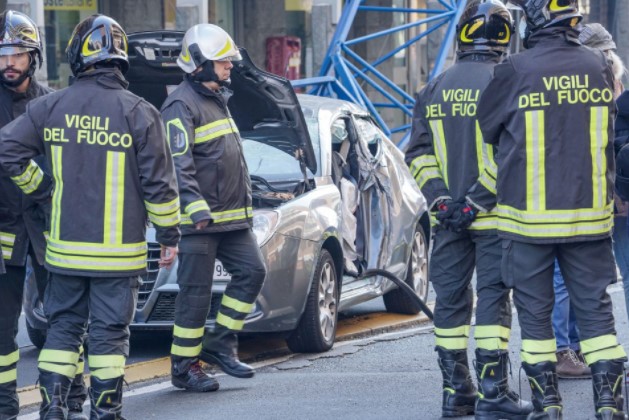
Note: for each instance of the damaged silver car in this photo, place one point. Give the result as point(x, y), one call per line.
point(332, 198)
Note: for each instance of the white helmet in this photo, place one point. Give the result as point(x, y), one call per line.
point(205, 42)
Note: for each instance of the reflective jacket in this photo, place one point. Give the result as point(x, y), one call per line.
point(22, 220)
point(110, 162)
point(446, 153)
point(550, 111)
point(212, 174)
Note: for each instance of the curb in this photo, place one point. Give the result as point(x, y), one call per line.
point(255, 350)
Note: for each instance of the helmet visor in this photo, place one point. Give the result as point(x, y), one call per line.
point(235, 57)
point(14, 50)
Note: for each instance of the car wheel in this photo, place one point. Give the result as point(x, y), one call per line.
point(416, 276)
point(316, 330)
point(37, 336)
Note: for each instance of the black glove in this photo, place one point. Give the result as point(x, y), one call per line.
point(463, 214)
point(445, 209)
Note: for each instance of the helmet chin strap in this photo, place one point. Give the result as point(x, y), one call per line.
point(207, 74)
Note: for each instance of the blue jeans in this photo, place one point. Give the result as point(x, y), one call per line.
point(621, 252)
point(564, 321)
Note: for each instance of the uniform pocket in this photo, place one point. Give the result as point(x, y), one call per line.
point(506, 265)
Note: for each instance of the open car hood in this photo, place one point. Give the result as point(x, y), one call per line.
point(264, 106)
point(264, 101)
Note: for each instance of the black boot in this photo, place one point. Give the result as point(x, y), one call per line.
point(220, 347)
point(76, 398)
point(495, 400)
point(186, 373)
point(607, 379)
point(54, 392)
point(9, 403)
point(459, 392)
point(106, 398)
point(546, 399)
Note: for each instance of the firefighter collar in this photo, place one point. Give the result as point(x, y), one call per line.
point(111, 78)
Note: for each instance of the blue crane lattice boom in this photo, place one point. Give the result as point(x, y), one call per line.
point(344, 71)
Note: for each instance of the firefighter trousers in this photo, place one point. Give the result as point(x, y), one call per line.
point(108, 304)
point(11, 295)
point(588, 268)
point(453, 260)
point(240, 254)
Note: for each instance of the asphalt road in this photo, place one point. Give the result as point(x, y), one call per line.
point(392, 375)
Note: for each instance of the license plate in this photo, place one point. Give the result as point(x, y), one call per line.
point(219, 271)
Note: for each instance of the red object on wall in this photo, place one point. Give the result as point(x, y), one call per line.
point(283, 56)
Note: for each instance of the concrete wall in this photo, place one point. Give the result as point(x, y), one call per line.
point(135, 16)
point(260, 20)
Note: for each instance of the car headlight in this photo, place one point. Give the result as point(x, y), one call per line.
point(264, 224)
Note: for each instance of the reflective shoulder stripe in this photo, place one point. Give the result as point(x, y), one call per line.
point(535, 160)
point(599, 117)
point(438, 134)
point(57, 172)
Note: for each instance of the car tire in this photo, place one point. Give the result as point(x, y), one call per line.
point(37, 336)
point(316, 330)
point(397, 300)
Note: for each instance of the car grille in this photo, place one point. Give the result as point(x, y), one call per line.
point(148, 280)
point(164, 310)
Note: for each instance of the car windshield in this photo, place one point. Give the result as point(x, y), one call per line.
point(273, 164)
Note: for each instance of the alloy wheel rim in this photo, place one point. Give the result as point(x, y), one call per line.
point(419, 264)
point(327, 302)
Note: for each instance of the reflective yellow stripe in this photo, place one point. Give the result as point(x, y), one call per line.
point(491, 331)
point(229, 215)
point(59, 356)
point(95, 263)
point(452, 338)
point(80, 367)
point(185, 219)
point(114, 197)
point(30, 179)
point(68, 371)
point(57, 172)
point(537, 351)
point(485, 222)
point(8, 376)
point(196, 206)
point(7, 238)
point(106, 360)
point(598, 144)
point(165, 214)
point(214, 130)
point(539, 346)
point(179, 125)
point(492, 337)
point(487, 182)
point(425, 168)
point(228, 322)
point(10, 358)
point(7, 252)
point(555, 216)
point(164, 208)
point(438, 135)
point(535, 161)
point(236, 305)
point(604, 347)
point(185, 351)
point(97, 249)
point(108, 373)
point(182, 332)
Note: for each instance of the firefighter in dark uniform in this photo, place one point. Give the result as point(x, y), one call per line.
point(111, 168)
point(216, 220)
point(22, 220)
point(550, 112)
point(446, 154)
